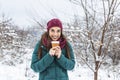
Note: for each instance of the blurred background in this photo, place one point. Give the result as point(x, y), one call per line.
point(91, 26)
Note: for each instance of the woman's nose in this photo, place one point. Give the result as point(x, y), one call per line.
point(55, 33)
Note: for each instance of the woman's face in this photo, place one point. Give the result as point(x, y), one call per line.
point(55, 33)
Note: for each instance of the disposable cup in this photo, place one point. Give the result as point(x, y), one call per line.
point(55, 43)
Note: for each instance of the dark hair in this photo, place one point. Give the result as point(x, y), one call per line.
point(45, 35)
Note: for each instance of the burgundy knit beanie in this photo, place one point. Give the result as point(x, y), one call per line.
point(54, 22)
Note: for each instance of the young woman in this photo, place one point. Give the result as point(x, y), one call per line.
point(52, 63)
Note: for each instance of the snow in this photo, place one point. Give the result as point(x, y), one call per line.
point(11, 73)
point(18, 68)
point(80, 72)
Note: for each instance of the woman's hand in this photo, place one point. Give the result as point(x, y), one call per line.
point(57, 51)
point(52, 51)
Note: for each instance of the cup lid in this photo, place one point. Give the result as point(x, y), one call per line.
point(54, 41)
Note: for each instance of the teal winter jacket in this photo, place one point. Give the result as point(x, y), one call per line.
point(51, 68)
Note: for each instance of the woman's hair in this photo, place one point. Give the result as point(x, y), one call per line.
point(48, 46)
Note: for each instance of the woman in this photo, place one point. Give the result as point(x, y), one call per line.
point(52, 63)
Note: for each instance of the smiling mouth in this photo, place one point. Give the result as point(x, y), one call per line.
point(54, 38)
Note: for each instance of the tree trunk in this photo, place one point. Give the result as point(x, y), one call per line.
point(95, 75)
point(96, 70)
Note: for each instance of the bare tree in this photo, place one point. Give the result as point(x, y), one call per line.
point(98, 22)
point(4, 37)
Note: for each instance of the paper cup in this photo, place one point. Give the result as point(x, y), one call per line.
point(55, 43)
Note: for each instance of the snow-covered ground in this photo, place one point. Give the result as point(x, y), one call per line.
point(23, 72)
point(79, 73)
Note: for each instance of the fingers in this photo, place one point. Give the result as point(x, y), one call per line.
point(57, 48)
point(55, 51)
point(52, 52)
point(53, 48)
point(58, 51)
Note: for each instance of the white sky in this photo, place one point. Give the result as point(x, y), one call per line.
point(15, 9)
point(22, 11)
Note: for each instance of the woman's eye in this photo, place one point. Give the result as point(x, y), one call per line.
point(52, 30)
point(58, 30)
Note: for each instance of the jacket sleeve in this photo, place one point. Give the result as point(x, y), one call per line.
point(39, 65)
point(65, 62)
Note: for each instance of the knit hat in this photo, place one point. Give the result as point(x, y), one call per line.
point(54, 22)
